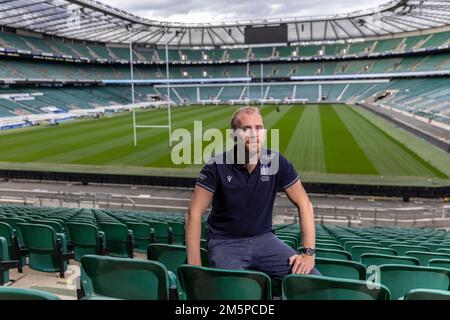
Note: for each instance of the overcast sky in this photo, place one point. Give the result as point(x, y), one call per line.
point(198, 11)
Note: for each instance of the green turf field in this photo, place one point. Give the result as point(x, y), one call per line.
point(326, 143)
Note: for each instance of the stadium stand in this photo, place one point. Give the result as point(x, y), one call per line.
point(80, 70)
point(340, 269)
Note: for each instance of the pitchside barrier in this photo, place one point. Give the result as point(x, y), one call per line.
point(405, 192)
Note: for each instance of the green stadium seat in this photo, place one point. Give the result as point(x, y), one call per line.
point(388, 243)
point(5, 262)
point(56, 225)
point(350, 244)
point(86, 239)
point(377, 259)
point(444, 250)
point(345, 239)
point(325, 238)
point(332, 246)
point(173, 256)
point(434, 247)
point(11, 293)
point(402, 248)
point(424, 257)
point(119, 240)
point(341, 268)
point(333, 254)
point(163, 232)
point(202, 283)
point(105, 277)
point(142, 235)
point(15, 250)
point(309, 287)
point(440, 263)
point(178, 232)
point(48, 249)
point(357, 251)
point(400, 279)
point(14, 221)
point(427, 294)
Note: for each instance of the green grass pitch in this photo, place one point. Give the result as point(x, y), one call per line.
point(326, 143)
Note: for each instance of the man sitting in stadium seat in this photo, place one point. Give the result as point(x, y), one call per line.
point(243, 190)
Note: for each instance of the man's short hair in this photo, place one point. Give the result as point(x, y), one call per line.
point(241, 110)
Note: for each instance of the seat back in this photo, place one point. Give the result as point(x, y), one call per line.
point(341, 269)
point(83, 234)
point(178, 232)
point(427, 294)
point(124, 278)
point(400, 279)
point(4, 256)
point(440, 263)
point(424, 257)
point(12, 241)
point(162, 231)
point(350, 244)
point(309, 287)
point(377, 259)
point(42, 242)
point(14, 221)
point(203, 283)
point(141, 235)
point(117, 241)
point(38, 237)
point(402, 248)
point(85, 239)
point(329, 246)
point(7, 232)
point(57, 226)
point(11, 293)
point(357, 251)
point(173, 256)
point(333, 254)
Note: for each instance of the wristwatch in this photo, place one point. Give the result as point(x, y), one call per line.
point(309, 251)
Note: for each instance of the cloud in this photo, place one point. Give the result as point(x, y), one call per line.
point(204, 11)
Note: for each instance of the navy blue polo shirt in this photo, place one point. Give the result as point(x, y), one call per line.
point(243, 202)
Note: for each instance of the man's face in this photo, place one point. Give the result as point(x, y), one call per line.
point(251, 132)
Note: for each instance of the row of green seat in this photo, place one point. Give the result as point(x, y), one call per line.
point(99, 51)
point(121, 278)
point(31, 69)
point(50, 237)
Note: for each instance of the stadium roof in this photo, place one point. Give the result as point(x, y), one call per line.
point(94, 21)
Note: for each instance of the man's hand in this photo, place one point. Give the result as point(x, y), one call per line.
point(301, 263)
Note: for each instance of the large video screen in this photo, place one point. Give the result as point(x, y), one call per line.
point(266, 34)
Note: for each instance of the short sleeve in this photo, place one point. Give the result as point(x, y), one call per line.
point(207, 179)
point(287, 174)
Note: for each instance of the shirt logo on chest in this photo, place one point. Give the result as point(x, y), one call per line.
point(265, 178)
point(229, 178)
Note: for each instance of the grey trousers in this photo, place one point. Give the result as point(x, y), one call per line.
point(264, 253)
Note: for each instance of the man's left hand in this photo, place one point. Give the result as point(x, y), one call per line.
point(301, 263)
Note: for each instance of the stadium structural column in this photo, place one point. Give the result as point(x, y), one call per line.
point(132, 88)
point(248, 82)
point(262, 86)
point(168, 95)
